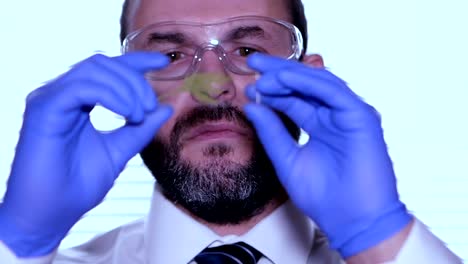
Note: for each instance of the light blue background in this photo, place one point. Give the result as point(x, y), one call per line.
point(407, 58)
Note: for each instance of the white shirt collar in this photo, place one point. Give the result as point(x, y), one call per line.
point(172, 236)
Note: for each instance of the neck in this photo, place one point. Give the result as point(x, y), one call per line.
point(245, 226)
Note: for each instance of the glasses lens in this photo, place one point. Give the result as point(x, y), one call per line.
point(246, 37)
point(236, 39)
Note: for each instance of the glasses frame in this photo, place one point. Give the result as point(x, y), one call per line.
point(297, 41)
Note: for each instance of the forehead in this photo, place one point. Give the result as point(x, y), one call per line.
point(146, 12)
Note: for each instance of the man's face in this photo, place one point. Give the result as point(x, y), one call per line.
point(209, 154)
point(231, 91)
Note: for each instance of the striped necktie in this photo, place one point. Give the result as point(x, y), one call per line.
point(238, 253)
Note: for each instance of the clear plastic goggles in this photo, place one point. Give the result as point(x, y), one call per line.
point(233, 40)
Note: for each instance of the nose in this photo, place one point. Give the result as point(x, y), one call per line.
point(212, 76)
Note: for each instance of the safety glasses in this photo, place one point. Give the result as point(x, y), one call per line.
point(232, 40)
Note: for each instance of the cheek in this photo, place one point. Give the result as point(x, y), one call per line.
point(165, 130)
point(169, 94)
point(241, 83)
point(166, 91)
point(179, 109)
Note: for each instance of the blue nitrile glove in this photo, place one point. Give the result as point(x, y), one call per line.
point(63, 167)
point(343, 177)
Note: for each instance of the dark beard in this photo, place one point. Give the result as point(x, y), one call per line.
point(219, 191)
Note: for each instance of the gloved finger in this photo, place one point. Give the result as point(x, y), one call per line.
point(268, 82)
point(77, 96)
point(286, 72)
point(264, 63)
point(140, 62)
point(313, 116)
point(125, 82)
point(129, 68)
point(134, 81)
point(271, 129)
point(129, 140)
point(302, 113)
point(144, 61)
point(333, 94)
point(122, 80)
point(306, 83)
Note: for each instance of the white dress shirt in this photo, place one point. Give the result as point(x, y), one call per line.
point(170, 236)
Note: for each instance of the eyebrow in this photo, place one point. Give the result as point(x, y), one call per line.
point(177, 38)
point(244, 32)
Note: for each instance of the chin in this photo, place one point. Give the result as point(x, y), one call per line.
point(207, 152)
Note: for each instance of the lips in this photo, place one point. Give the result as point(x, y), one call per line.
point(215, 130)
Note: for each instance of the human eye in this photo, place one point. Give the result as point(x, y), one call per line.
point(175, 56)
point(245, 51)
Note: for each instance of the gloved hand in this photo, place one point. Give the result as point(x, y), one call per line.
point(64, 167)
point(343, 178)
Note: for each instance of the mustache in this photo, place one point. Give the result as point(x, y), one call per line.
point(208, 113)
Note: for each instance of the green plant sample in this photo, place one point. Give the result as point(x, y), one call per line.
point(201, 86)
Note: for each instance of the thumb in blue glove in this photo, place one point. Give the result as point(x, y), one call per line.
point(342, 178)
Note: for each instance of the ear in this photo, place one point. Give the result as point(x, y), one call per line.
point(314, 60)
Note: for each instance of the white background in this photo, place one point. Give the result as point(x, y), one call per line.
point(408, 58)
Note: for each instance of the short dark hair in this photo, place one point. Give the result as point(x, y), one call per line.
point(295, 7)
